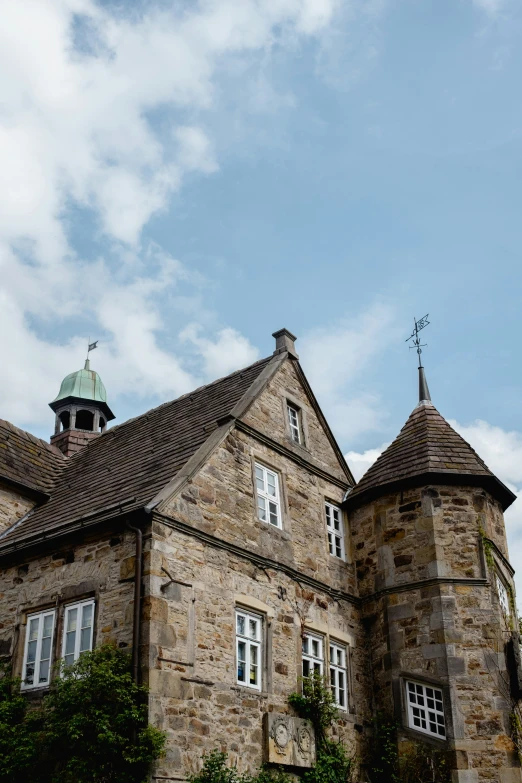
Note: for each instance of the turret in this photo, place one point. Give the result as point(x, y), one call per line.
point(81, 410)
point(438, 596)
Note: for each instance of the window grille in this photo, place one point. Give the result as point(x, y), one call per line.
point(426, 709)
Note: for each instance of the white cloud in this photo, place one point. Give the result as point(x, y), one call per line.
point(229, 351)
point(491, 7)
point(359, 462)
point(335, 358)
point(109, 109)
point(501, 450)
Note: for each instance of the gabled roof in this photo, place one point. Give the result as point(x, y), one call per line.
point(126, 467)
point(28, 462)
point(427, 450)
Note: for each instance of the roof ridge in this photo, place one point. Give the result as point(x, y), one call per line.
point(197, 390)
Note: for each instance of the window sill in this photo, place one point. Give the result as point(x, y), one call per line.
point(430, 739)
point(244, 689)
point(267, 525)
point(34, 693)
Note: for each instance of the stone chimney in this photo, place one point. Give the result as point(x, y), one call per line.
point(285, 342)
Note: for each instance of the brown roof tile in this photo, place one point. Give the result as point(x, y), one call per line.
point(129, 464)
point(28, 461)
point(426, 445)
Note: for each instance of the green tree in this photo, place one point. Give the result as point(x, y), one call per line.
point(95, 723)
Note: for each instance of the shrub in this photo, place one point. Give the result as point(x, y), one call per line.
point(19, 731)
point(316, 703)
point(90, 728)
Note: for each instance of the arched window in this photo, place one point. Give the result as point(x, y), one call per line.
point(65, 418)
point(84, 420)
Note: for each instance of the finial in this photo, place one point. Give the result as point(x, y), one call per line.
point(424, 392)
point(90, 347)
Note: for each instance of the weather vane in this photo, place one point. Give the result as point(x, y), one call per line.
point(415, 335)
point(91, 346)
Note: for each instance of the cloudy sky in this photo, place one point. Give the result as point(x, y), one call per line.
point(180, 179)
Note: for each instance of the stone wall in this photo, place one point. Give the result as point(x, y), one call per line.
point(101, 567)
point(194, 693)
point(268, 414)
point(13, 506)
point(220, 500)
point(449, 630)
point(191, 621)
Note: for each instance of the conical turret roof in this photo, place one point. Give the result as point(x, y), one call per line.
point(427, 451)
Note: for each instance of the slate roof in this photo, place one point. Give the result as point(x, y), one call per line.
point(427, 447)
point(28, 461)
point(128, 465)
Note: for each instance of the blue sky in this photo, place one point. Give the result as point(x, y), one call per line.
point(181, 179)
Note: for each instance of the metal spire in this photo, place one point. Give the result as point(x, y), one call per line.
point(424, 392)
point(90, 347)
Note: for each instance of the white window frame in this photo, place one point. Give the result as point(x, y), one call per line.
point(425, 708)
point(334, 514)
point(69, 608)
point(40, 617)
point(503, 597)
point(294, 423)
point(308, 654)
point(339, 671)
point(250, 643)
point(272, 501)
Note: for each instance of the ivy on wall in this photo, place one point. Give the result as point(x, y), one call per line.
point(91, 727)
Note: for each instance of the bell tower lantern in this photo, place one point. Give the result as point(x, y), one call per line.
point(81, 410)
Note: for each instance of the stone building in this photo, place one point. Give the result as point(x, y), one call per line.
point(222, 540)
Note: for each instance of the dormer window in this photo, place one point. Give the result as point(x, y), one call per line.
point(294, 422)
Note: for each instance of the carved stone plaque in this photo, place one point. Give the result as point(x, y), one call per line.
point(289, 741)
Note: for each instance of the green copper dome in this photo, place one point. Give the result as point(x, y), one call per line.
point(85, 385)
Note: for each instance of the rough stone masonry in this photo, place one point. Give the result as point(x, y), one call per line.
point(262, 561)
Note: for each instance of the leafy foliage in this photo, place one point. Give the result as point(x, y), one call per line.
point(383, 755)
point(90, 728)
point(317, 704)
point(215, 770)
point(417, 763)
point(18, 731)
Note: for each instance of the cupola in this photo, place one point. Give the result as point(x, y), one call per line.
point(81, 410)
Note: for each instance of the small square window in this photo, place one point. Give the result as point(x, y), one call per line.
point(334, 525)
point(426, 709)
point(294, 422)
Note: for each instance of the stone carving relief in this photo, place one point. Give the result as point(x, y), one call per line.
point(289, 741)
